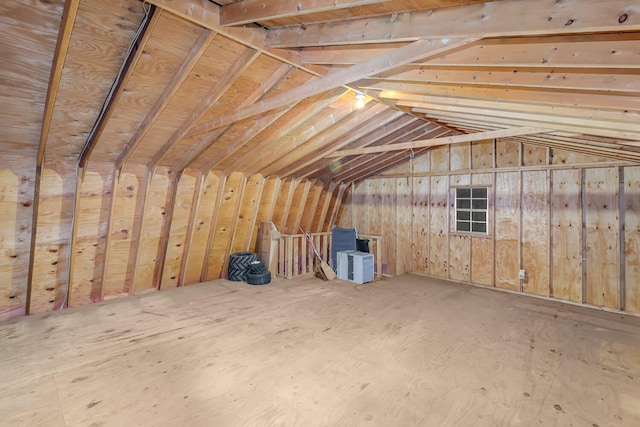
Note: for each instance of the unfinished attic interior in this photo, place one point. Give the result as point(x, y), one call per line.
point(489, 144)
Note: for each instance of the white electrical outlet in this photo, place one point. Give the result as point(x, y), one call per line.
point(522, 275)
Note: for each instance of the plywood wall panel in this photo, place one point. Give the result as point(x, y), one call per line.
point(317, 226)
point(482, 154)
point(460, 156)
point(482, 261)
point(265, 207)
point(311, 205)
point(403, 226)
point(440, 159)
point(422, 163)
point(460, 258)
point(603, 238)
point(388, 224)
point(283, 202)
point(16, 205)
point(438, 225)
point(566, 234)
point(296, 208)
point(204, 220)
point(178, 231)
point(535, 232)
point(632, 238)
point(507, 229)
point(153, 217)
point(118, 271)
point(562, 157)
point(334, 206)
point(420, 224)
point(345, 218)
point(92, 218)
point(507, 153)
point(49, 271)
point(359, 207)
point(372, 212)
point(49, 289)
point(482, 248)
point(224, 226)
point(247, 214)
point(533, 155)
point(341, 207)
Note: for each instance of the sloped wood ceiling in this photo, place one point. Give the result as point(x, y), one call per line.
point(269, 87)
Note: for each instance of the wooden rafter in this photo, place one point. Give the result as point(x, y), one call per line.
point(305, 130)
point(570, 99)
point(192, 58)
point(417, 50)
point(385, 133)
point(207, 15)
point(69, 14)
point(248, 11)
point(565, 124)
point(622, 118)
point(362, 130)
point(243, 62)
point(309, 109)
point(442, 141)
point(273, 81)
point(62, 46)
point(370, 164)
point(90, 145)
point(492, 19)
point(606, 80)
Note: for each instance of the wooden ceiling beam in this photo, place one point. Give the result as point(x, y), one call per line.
point(618, 154)
point(506, 18)
point(121, 84)
point(207, 15)
point(588, 51)
point(443, 102)
point(363, 128)
point(609, 81)
point(403, 55)
point(404, 123)
point(69, 14)
point(549, 122)
point(249, 11)
point(341, 55)
point(397, 130)
point(370, 164)
point(627, 130)
point(516, 131)
point(542, 96)
point(267, 86)
point(238, 67)
point(286, 125)
point(192, 58)
point(324, 131)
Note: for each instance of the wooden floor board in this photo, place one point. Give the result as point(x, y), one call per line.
point(404, 351)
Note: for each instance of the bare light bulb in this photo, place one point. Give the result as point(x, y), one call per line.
point(360, 100)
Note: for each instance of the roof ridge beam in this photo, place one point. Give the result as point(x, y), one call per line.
point(249, 11)
point(511, 18)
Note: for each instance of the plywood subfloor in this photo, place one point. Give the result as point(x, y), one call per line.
point(405, 351)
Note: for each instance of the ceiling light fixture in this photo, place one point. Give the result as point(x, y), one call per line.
point(360, 100)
